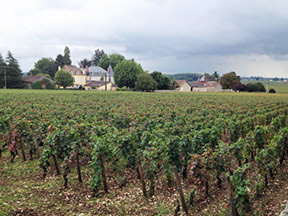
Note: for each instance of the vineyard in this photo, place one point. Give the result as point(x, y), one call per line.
point(126, 153)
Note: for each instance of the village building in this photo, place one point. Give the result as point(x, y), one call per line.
point(96, 73)
point(205, 83)
point(29, 80)
point(98, 85)
point(78, 75)
point(183, 86)
point(208, 87)
point(91, 78)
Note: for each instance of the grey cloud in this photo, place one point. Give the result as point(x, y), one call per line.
point(168, 35)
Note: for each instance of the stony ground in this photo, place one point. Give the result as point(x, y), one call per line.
point(24, 192)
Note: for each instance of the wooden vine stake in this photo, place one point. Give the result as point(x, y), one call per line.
point(56, 164)
point(78, 165)
point(103, 171)
point(142, 180)
point(23, 151)
point(36, 147)
point(179, 187)
point(230, 194)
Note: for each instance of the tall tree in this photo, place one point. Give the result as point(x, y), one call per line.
point(105, 61)
point(2, 73)
point(112, 60)
point(85, 62)
point(66, 56)
point(115, 59)
point(163, 82)
point(96, 58)
point(216, 75)
point(13, 72)
point(126, 73)
point(45, 66)
point(59, 61)
point(229, 80)
point(34, 72)
point(145, 82)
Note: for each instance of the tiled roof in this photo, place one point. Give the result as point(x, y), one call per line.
point(207, 78)
point(95, 71)
point(210, 84)
point(73, 69)
point(96, 84)
point(198, 84)
point(195, 84)
point(180, 82)
point(32, 79)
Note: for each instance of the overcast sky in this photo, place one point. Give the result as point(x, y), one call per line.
point(249, 37)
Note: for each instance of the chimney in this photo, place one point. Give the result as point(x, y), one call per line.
point(87, 70)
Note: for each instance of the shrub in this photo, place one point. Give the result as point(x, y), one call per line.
point(272, 90)
point(81, 87)
point(239, 87)
point(39, 84)
point(124, 88)
point(255, 87)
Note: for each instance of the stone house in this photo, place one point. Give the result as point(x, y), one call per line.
point(29, 80)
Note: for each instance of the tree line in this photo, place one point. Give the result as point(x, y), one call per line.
point(127, 73)
point(10, 72)
point(232, 81)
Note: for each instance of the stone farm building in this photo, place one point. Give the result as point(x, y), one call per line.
point(203, 84)
point(29, 80)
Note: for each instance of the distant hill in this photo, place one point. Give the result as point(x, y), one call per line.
point(184, 76)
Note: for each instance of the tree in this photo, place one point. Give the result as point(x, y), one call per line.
point(66, 57)
point(96, 58)
point(255, 87)
point(126, 73)
point(45, 75)
point(2, 74)
point(216, 75)
point(260, 87)
point(85, 62)
point(163, 82)
point(34, 72)
point(112, 60)
point(105, 61)
point(184, 76)
point(272, 90)
point(173, 84)
point(13, 72)
point(145, 82)
point(45, 66)
point(59, 61)
point(239, 87)
point(229, 80)
point(115, 59)
point(64, 78)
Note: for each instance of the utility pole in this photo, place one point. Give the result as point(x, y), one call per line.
point(5, 79)
point(105, 81)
